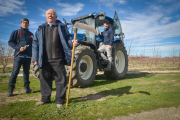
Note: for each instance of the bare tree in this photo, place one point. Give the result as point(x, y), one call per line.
point(6, 53)
point(130, 47)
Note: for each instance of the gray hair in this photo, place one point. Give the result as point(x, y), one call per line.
point(25, 19)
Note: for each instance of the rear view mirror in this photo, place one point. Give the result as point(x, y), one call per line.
point(101, 15)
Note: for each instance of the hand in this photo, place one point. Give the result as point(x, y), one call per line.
point(110, 47)
point(35, 63)
point(22, 49)
point(98, 31)
point(75, 42)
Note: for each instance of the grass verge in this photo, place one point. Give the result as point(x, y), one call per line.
point(103, 99)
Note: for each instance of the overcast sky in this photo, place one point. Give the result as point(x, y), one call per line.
point(147, 23)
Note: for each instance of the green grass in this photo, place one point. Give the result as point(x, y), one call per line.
point(103, 99)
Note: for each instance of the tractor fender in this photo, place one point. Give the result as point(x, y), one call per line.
point(92, 47)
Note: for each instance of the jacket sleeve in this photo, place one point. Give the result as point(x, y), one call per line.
point(12, 41)
point(111, 37)
point(100, 35)
point(68, 38)
point(35, 48)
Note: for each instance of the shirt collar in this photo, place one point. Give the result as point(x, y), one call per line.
point(50, 24)
point(106, 28)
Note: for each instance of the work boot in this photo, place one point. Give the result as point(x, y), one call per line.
point(59, 105)
point(10, 93)
point(40, 103)
point(107, 69)
point(105, 62)
point(28, 90)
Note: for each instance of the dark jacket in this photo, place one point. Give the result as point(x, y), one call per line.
point(25, 39)
point(107, 36)
point(38, 41)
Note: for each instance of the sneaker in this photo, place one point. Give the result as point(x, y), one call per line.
point(28, 90)
point(40, 103)
point(59, 105)
point(107, 69)
point(10, 93)
point(105, 62)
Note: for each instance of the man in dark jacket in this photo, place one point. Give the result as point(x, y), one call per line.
point(51, 49)
point(108, 37)
point(18, 39)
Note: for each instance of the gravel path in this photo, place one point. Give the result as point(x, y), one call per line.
point(159, 114)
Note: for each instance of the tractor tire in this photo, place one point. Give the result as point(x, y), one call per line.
point(82, 74)
point(35, 70)
point(85, 67)
point(119, 65)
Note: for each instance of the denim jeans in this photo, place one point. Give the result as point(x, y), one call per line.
point(18, 61)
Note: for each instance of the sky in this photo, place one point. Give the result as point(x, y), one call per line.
point(150, 26)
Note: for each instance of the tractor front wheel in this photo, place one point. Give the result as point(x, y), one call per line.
point(85, 67)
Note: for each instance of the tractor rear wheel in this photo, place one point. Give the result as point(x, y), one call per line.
point(119, 62)
point(85, 67)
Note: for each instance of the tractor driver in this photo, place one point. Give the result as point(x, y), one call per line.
point(108, 37)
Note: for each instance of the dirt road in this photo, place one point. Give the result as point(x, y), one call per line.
point(159, 114)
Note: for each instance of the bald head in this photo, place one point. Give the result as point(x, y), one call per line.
point(51, 16)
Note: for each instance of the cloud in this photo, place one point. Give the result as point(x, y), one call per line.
point(64, 9)
point(35, 24)
point(110, 3)
point(12, 23)
point(151, 25)
point(165, 1)
point(43, 12)
point(69, 9)
point(8, 7)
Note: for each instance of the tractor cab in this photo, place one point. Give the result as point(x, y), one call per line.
point(96, 20)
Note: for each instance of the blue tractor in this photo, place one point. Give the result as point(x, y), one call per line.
point(88, 61)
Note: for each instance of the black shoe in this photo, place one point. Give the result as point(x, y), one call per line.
point(105, 62)
point(10, 93)
point(28, 90)
point(107, 69)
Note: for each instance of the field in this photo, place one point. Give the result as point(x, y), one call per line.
point(154, 64)
point(103, 99)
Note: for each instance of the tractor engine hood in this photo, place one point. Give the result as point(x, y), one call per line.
point(80, 36)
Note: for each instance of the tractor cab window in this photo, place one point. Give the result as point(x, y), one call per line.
point(89, 35)
point(101, 28)
point(117, 26)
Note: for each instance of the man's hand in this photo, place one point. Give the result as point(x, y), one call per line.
point(75, 42)
point(110, 47)
point(98, 31)
point(35, 63)
point(22, 49)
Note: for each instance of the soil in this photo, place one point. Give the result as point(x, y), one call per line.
point(9, 65)
point(171, 113)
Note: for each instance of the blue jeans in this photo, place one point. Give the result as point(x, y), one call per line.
point(18, 61)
